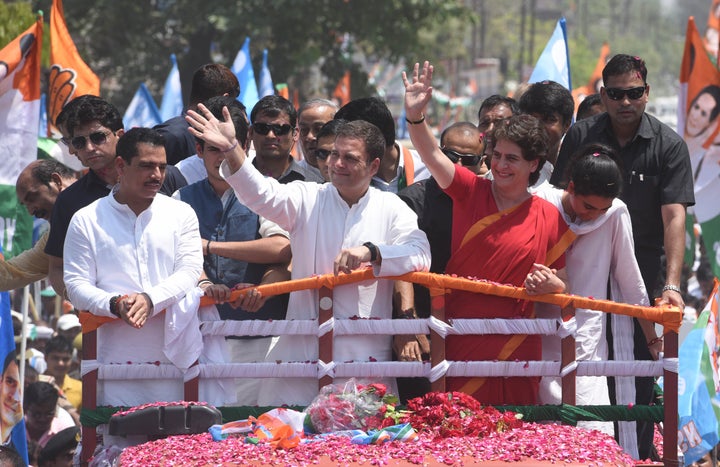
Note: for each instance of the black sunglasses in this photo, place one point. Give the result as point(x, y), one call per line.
point(278, 130)
point(322, 153)
point(617, 94)
point(465, 159)
point(98, 138)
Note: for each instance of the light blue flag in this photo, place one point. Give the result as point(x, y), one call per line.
point(11, 407)
point(554, 62)
point(242, 67)
point(172, 102)
point(142, 111)
point(266, 83)
point(42, 128)
point(699, 386)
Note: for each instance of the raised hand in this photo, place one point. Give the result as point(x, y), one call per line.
point(418, 90)
point(214, 132)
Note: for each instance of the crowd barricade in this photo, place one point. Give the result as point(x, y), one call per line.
point(325, 327)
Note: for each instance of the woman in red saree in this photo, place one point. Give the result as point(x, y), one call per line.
point(500, 233)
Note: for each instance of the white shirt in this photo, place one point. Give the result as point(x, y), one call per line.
point(192, 168)
point(420, 172)
point(604, 250)
point(321, 223)
point(111, 251)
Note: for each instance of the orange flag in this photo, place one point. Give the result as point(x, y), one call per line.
point(342, 90)
point(69, 75)
point(595, 81)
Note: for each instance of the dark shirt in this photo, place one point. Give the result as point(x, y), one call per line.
point(179, 143)
point(297, 172)
point(83, 192)
point(434, 210)
point(657, 171)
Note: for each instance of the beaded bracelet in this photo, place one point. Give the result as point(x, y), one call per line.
point(231, 147)
point(674, 288)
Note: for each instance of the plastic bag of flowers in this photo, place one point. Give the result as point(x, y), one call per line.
point(350, 406)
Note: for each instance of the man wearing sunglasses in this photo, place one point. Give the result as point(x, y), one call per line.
point(658, 188)
point(273, 133)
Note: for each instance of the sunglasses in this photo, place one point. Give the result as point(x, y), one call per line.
point(617, 94)
point(322, 153)
point(465, 159)
point(278, 130)
point(98, 138)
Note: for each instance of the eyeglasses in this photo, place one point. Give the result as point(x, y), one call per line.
point(278, 130)
point(98, 138)
point(617, 94)
point(322, 153)
point(465, 159)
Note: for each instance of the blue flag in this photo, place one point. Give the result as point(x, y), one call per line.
point(12, 424)
point(172, 102)
point(554, 62)
point(142, 111)
point(266, 83)
point(43, 127)
point(242, 67)
point(699, 385)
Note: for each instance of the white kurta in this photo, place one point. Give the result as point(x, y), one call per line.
point(110, 251)
point(321, 223)
point(602, 252)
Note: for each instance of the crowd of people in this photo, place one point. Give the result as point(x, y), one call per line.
point(526, 197)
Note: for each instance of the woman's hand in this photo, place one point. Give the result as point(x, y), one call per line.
point(543, 280)
point(418, 92)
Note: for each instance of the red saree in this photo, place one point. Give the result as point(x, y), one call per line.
point(500, 247)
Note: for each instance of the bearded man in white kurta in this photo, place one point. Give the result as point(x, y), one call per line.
point(335, 227)
point(131, 255)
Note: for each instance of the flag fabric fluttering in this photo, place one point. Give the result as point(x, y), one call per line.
point(243, 69)
point(172, 101)
point(19, 116)
point(699, 385)
point(142, 110)
point(69, 75)
point(342, 89)
point(700, 84)
point(595, 82)
point(554, 61)
point(266, 83)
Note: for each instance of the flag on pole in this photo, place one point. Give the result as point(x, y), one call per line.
point(699, 385)
point(142, 111)
point(172, 102)
point(554, 61)
point(242, 67)
point(595, 82)
point(69, 75)
point(266, 84)
point(43, 126)
point(342, 90)
point(282, 90)
point(19, 116)
point(699, 93)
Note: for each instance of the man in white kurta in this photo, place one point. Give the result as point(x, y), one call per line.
point(329, 226)
point(143, 248)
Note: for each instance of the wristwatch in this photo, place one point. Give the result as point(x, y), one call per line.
point(373, 251)
point(113, 304)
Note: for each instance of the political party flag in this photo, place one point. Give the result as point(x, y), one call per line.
point(282, 90)
point(42, 127)
point(19, 116)
point(699, 94)
point(12, 426)
point(142, 111)
point(69, 75)
point(712, 33)
point(595, 82)
point(342, 89)
point(172, 102)
point(554, 61)
point(266, 84)
point(699, 385)
point(243, 69)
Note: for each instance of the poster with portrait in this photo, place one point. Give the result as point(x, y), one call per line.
point(12, 425)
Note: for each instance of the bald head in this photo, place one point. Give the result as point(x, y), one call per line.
point(466, 140)
point(39, 184)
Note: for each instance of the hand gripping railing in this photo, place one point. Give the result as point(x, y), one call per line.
point(325, 369)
